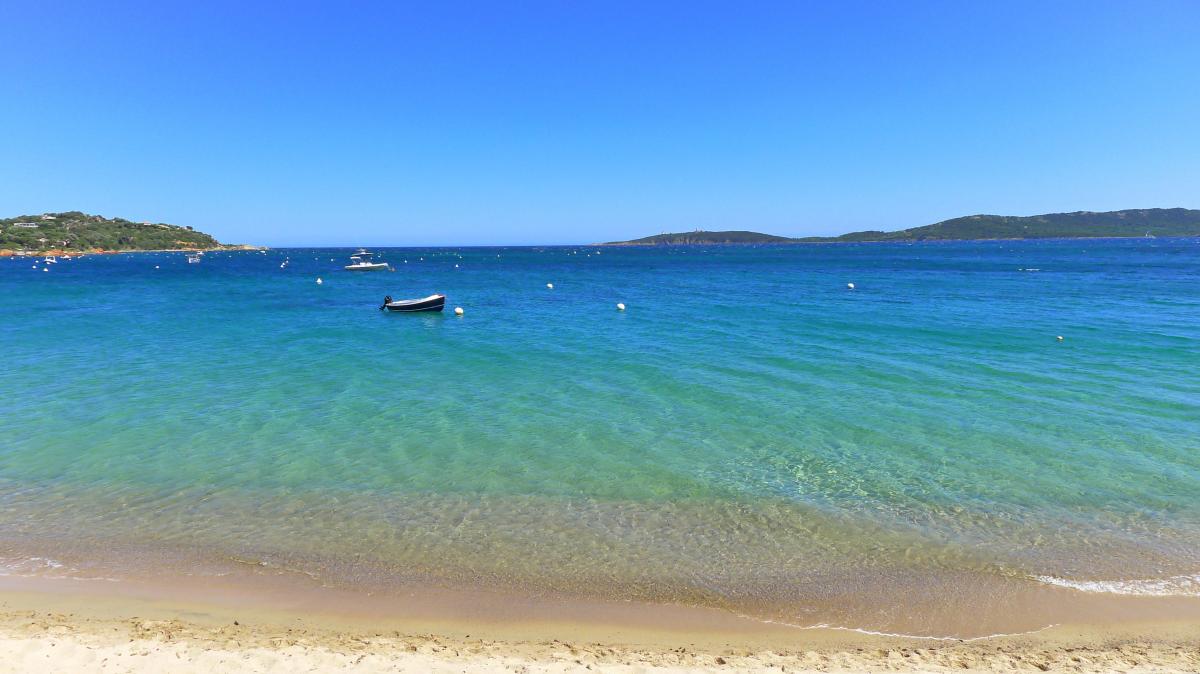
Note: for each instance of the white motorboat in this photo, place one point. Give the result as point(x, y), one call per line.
point(364, 261)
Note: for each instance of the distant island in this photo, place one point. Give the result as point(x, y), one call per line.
point(76, 232)
point(700, 237)
point(1077, 225)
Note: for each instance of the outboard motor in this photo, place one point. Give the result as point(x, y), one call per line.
point(387, 299)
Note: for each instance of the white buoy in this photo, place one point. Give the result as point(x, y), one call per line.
point(1060, 338)
point(319, 281)
point(456, 266)
point(550, 286)
point(620, 306)
point(45, 269)
point(850, 286)
point(156, 266)
point(458, 311)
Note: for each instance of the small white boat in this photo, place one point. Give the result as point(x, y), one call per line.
point(193, 258)
point(50, 259)
point(363, 261)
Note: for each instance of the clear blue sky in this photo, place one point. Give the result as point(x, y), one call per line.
point(571, 122)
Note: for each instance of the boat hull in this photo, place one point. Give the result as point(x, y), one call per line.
point(364, 267)
point(433, 303)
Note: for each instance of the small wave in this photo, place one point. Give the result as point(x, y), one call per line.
point(42, 567)
point(901, 635)
point(278, 568)
point(1175, 586)
point(28, 566)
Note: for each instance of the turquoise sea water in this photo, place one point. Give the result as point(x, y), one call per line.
point(749, 433)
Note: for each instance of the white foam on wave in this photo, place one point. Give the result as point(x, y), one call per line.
point(43, 567)
point(1175, 586)
point(27, 566)
point(900, 635)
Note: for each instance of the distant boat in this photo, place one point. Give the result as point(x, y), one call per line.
point(362, 261)
point(50, 259)
point(193, 258)
point(431, 303)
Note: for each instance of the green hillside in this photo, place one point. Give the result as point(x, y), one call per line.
point(1080, 224)
point(76, 231)
point(700, 237)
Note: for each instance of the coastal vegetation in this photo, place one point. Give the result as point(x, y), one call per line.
point(1079, 224)
point(74, 231)
point(700, 237)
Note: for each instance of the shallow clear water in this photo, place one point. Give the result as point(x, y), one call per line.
point(748, 433)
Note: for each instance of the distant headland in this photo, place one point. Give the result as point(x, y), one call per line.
point(1077, 225)
point(76, 232)
point(703, 238)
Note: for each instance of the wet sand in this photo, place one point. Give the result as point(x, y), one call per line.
point(78, 626)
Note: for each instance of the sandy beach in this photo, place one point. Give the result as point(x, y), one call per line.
point(56, 627)
point(33, 640)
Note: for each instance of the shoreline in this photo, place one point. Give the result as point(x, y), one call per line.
point(262, 623)
point(97, 251)
point(81, 632)
point(923, 603)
